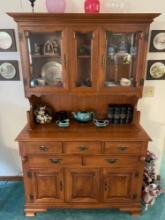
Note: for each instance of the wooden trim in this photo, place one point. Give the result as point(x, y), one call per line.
point(83, 18)
point(11, 178)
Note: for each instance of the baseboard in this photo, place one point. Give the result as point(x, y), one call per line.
point(11, 178)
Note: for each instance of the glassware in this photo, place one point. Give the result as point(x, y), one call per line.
point(92, 6)
point(56, 6)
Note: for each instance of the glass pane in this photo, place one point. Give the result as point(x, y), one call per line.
point(84, 44)
point(45, 59)
point(121, 59)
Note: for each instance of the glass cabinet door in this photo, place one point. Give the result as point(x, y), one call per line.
point(120, 59)
point(47, 59)
point(84, 56)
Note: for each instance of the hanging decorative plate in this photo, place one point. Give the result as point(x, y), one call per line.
point(5, 40)
point(157, 70)
point(52, 73)
point(7, 70)
point(159, 41)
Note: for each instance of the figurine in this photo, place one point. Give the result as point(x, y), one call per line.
point(36, 49)
point(43, 115)
point(48, 48)
point(55, 47)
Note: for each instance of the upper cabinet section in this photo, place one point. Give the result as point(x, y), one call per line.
point(83, 53)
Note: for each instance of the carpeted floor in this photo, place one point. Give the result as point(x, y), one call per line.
point(12, 201)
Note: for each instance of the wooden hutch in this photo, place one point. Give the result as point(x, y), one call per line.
point(83, 166)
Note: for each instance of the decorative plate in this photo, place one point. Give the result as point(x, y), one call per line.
point(159, 41)
point(5, 40)
point(157, 70)
point(7, 70)
point(52, 73)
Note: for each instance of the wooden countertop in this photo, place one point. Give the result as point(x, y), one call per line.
point(87, 132)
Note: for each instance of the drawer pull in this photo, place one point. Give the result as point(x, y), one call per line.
point(43, 148)
point(83, 148)
point(56, 161)
point(122, 148)
point(111, 161)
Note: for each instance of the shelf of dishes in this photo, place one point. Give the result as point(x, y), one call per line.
point(116, 114)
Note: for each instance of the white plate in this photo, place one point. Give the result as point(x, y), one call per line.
point(5, 40)
point(52, 73)
point(157, 70)
point(7, 70)
point(159, 41)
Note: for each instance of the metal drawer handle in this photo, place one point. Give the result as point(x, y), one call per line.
point(122, 148)
point(111, 161)
point(55, 161)
point(43, 148)
point(83, 148)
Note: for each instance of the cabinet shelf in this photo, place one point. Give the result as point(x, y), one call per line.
point(45, 56)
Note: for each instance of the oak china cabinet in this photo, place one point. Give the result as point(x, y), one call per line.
point(83, 62)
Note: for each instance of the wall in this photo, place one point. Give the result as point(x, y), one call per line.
point(13, 105)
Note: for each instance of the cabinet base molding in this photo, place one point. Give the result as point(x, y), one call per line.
point(32, 210)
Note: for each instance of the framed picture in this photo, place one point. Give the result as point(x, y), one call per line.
point(157, 42)
point(7, 40)
point(9, 70)
point(155, 70)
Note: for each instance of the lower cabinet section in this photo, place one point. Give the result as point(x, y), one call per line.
point(84, 185)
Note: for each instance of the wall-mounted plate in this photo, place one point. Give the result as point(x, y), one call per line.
point(7, 40)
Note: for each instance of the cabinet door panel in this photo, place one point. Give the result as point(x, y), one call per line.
point(84, 58)
point(82, 185)
point(48, 186)
point(121, 54)
point(121, 184)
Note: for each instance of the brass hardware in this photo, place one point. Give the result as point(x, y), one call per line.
point(142, 158)
point(20, 35)
point(122, 148)
point(29, 174)
point(111, 160)
point(44, 148)
point(61, 185)
point(83, 148)
point(31, 198)
point(134, 196)
point(55, 161)
point(24, 159)
point(141, 82)
point(65, 62)
point(103, 61)
point(136, 174)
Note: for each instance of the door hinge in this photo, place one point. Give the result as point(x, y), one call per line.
point(20, 35)
point(134, 196)
point(31, 198)
point(141, 82)
point(136, 174)
point(29, 174)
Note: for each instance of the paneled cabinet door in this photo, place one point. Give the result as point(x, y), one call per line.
point(84, 58)
point(82, 185)
point(44, 59)
point(121, 184)
point(47, 186)
point(122, 54)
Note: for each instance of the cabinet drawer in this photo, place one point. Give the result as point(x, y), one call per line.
point(53, 161)
point(43, 147)
point(82, 147)
point(124, 147)
point(110, 161)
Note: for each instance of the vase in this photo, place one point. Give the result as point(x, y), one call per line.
point(56, 6)
point(92, 6)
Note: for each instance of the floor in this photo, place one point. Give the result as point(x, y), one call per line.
point(12, 201)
